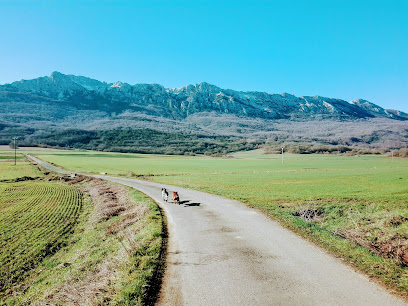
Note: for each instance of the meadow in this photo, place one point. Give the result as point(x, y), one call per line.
point(255, 175)
point(354, 206)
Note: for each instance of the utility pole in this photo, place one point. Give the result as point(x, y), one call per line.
point(15, 150)
point(282, 155)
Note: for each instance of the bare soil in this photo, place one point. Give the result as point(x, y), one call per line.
point(395, 247)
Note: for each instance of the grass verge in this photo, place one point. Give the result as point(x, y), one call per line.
point(389, 272)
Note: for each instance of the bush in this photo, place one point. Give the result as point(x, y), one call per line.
point(400, 153)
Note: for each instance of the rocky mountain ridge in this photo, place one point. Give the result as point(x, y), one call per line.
point(178, 103)
point(79, 112)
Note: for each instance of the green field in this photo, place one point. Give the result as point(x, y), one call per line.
point(35, 219)
point(358, 204)
point(58, 241)
point(4, 156)
point(9, 171)
point(257, 176)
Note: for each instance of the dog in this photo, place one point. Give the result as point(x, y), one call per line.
point(176, 198)
point(165, 195)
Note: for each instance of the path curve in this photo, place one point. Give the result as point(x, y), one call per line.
point(221, 252)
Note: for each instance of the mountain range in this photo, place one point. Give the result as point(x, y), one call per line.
point(59, 102)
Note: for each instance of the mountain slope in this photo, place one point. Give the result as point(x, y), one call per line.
point(76, 111)
point(153, 99)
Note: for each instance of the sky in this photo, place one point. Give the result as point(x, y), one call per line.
point(345, 49)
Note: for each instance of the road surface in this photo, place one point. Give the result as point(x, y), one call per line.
point(222, 253)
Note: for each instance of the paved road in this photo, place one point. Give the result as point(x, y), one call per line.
point(223, 253)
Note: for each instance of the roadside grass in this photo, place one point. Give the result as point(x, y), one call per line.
point(361, 202)
point(357, 252)
point(139, 279)
point(102, 263)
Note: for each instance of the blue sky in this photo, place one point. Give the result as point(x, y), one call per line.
point(340, 49)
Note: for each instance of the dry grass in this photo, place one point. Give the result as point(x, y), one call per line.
point(111, 200)
point(92, 288)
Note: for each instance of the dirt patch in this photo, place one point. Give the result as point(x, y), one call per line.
point(309, 214)
point(395, 247)
point(396, 221)
point(72, 180)
point(225, 229)
point(21, 179)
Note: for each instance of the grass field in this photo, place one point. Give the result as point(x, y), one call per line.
point(75, 243)
point(356, 207)
point(35, 219)
point(258, 176)
point(9, 171)
point(4, 156)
